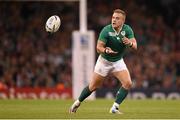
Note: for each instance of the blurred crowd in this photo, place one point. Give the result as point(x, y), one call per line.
point(31, 57)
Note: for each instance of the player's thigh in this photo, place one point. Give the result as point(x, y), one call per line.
point(124, 77)
point(103, 67)
point(96, 81)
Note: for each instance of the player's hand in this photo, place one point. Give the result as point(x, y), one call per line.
point(108, 50)
point(126, 41)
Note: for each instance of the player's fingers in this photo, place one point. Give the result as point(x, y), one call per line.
point(108, 48)
point(125, 42)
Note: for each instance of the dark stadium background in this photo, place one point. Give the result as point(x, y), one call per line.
point(30, 58)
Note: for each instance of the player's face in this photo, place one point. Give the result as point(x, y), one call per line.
point(118, 20)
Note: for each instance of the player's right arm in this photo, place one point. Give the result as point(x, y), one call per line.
point(101, 43)
point(100, 47)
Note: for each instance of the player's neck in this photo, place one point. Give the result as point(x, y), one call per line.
point(118, 29)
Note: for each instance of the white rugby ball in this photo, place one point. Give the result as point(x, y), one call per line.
point(53, 23)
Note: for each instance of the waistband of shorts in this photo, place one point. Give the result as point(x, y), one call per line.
point(107, 60)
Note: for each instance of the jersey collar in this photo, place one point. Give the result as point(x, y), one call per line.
point(117, 33)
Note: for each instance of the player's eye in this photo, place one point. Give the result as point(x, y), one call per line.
point(117, 18)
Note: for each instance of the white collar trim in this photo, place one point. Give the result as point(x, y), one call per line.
point(117, 33)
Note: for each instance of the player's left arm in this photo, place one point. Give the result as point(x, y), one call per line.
point(129, 40)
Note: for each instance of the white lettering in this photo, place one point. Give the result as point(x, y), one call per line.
point(138, 95)
point(158, 95)
point(173, 96)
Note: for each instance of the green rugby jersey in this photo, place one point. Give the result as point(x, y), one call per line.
point(113, 40)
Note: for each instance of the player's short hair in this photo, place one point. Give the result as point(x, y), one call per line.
point(120, 11)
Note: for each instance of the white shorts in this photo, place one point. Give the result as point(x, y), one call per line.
point(103, 67)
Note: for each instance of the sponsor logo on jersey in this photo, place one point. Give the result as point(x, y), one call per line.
point(112, 33)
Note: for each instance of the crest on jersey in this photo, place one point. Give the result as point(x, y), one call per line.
point(123, 33)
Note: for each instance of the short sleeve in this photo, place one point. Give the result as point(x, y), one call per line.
point(103, 35)
point(130, 33)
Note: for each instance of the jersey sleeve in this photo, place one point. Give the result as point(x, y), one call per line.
point(103, 35)
point(130, 33)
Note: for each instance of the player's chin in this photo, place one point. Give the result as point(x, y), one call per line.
point(114, 25)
